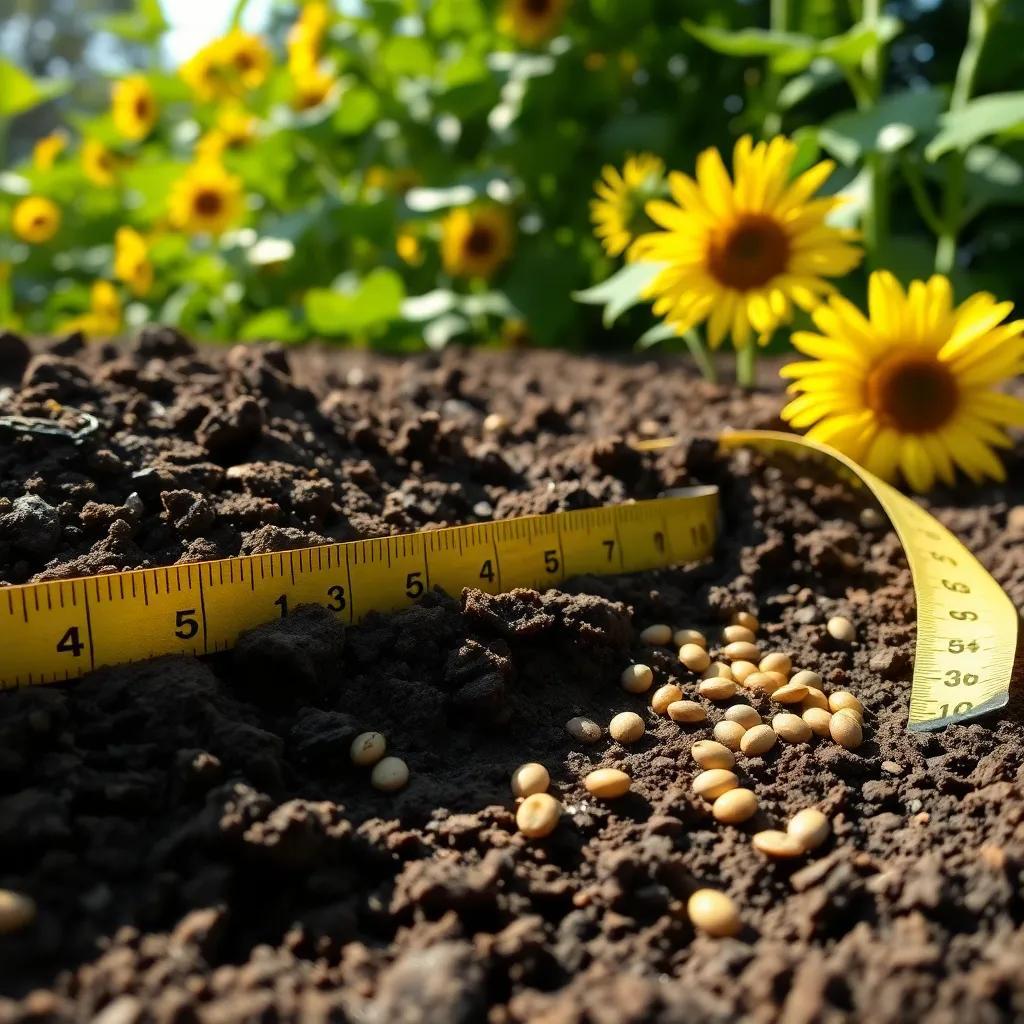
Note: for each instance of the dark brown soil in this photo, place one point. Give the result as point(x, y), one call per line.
point(200, 847)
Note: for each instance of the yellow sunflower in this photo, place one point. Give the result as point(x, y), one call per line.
point(36, 220)
point(204, 74)
point(311, 87)
point(104, 317)
point(205, 199)
point(741, 252)
point(407, 245)
point(134, 107)
point(247, 57)
point(98, 163)
point(47, 149)
point(306, 36)
point(532, 22)
point(235, 129)
point(475, 241)
point(131, 261)
point(911, 388)
point(618, 212)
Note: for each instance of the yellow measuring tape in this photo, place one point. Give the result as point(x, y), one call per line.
point(55, 631)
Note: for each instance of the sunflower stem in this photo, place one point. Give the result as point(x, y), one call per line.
point(746, 366)
point(700, 356)
point(876, 216)
point(983, 14)
point(778, 22)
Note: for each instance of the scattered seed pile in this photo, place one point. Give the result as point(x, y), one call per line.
point(191, 840)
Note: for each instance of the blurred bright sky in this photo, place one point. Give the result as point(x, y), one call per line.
point(195, 22)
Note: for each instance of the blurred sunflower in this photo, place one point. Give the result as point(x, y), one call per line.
point(36, 220)
point(47, 149)
point(131, 261)
point(104, 317)
point(247, 56)
point(742, 252)
point(311, 86)
point(475, 241)
point(133, 107)
point(911, 388)
point(306, 36)
point(618, 212)
point(206, 198)
point(531, 22)
point(204, 75)
point(235, 128)
point(98, 163)
point(408, 247)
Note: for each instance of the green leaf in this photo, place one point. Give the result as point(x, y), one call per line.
point(749, 42)
point(407, 55)
point(357, 110)
point(276, 324)
point(820, 75)
point(850, 47)
point(365, 304)
point(890, 125)
point(621, 291)
point(655, 335)
point(20, 92)
point(980, 118)
point(144, 24)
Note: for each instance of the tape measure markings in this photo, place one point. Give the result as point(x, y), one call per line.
point(959, 673)
point(56, 630)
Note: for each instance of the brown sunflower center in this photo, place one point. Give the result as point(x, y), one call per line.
point(142, 108)
point(40, 220)
point(480, 241)
point(244, 60)
point(750, 253)
point(912, 392)
point(208, 202)
point(537, 8)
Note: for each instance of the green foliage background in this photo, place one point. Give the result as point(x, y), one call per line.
point(929, 139)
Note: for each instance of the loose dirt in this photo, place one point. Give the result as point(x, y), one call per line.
point(201, 848)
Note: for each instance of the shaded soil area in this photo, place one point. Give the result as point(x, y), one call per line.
point(200, 847)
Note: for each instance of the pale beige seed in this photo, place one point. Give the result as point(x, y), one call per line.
point(637, 678)
point(686, 711)
point(843, 700)
point(537, 816)
point(714, 782)
point(809, 827)
point(665, 695)
point(694, 657)
point(735, 806)
point(744, 714)
point(607, 783)
point(493, 422)
point(717, 689)
point(367, 748)
point(738, 634)
point(808, 678)
point(682, 637)
point(714, 914)
point(530, 778)
point(742, 670)
point(774, 843)
point(791, 728)
point(818, 719)
point(742, 651)
point(17, 911)
point(841, 628)
point(776, 661)
point(709, 754)
point(764, 682)
point(791, 693)
point(729, 733)
point(747, 619)
point(846, 730)
point(584, 729)
point(626, 727)
point(658, 635)
point(389, 774)
point(815, 699)
point(758, 740)
point(717, 670)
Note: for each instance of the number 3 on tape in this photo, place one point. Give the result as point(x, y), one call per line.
point(966, 625)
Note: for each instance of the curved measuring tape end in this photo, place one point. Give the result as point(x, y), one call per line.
point(966, 625)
